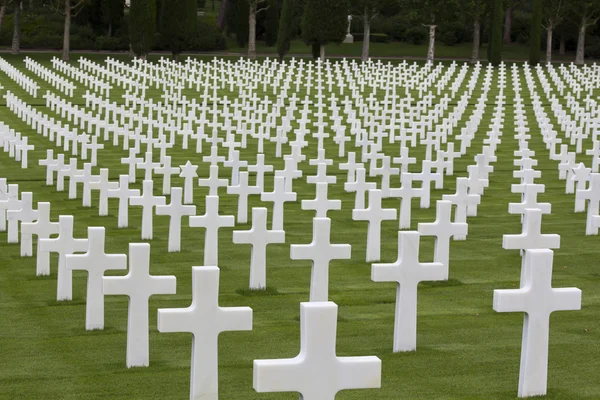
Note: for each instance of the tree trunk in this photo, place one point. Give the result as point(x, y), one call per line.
point(431, 49)
point(367, 36)
point(222, 13)
point(562, 47)
point(476, 40)
point(67, 33)
point(580, 56)
point(322, 54)
point(549, 32)
point(16, 42)
point(252, 30)
point(508, 26)
point(2, 13)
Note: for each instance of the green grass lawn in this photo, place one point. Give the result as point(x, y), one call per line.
point(465, 349)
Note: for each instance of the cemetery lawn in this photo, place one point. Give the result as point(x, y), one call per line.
point(465, 349)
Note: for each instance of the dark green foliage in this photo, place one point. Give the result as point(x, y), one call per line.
point(142, 26)
point(324, 21)
point(272, 22)
point(375, 37)
point(237, 20)
point(112, 14)
point(416, 35)
point(495, 48)
point(285, 28)
point(179, 24)
point(536, 32)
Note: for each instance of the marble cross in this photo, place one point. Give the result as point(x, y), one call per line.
point(375, 214)
point(24, 214)
point(123, 193)
point(205, 320)
point(321, 204)
point(43, 228)
point(321, 252)
point(443, 229)
point(407, 272)
point(317, 373)
point(537, 299)
point(96, 262)
point(176, 210)
point(279, 196)
point(139, 286)
point(243, 190)
point(147, 201)
point(259, 237)
point(212, 222)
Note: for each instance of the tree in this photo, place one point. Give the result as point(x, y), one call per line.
point(553, 15)
point(508, 26)
point(223, 9)
point(112, 13)
point(255, 6)
point(324, 22)
point(16, 41)
point(495, 46)
point(142, 26)
point(536, 32)
point(237, 21)
point(475, 10)
point(69, 9)
point(2, 12)
point(272, 22)
point(586, 14)
point(432, 13)
point(286, 21)
point(179, 24)
point(366, 11)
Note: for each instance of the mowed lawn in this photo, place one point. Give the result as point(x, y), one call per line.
point(465, 349)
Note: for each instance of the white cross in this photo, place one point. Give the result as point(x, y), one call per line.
point(50, 162)
point(404, 160)
point(259, 237)
point(213, 182)
point(530, 200)
point(148, 166)
point(86, 178)
point(592, 195)
point(360, 186)
point(64, 244)
point(407, 272)
point(375, 215)
point(212, 222)
point(243, 191)
point(351, 166)
point(166, 170)
point(176, 210)
point(43, 228)
point(103, 185)
point(321, 204)
point(317, 373)
point(260, 168)
point(147, 201)
point(443, 229)
point(133, 162)
point(10, 201)
point(426, 177)
point(462, 200)
point(214, 159)
point(279, 196)
point(139, 286)
point(531, 238)
point(321, 252)
point(25, 213)
point(205, 320)
point(537, 299)
point(406, 193)
point(123, 193)
point(96, 262)
point(321, 176)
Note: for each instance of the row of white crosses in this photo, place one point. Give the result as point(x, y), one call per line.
point(15, 145)
point(580, 180)
point(57, 81)
point(535, 297)
point(25, 82)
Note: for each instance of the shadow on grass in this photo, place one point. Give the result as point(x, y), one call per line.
point(270, 291)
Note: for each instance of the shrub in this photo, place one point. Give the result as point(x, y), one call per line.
point(208, 38)
point(448, 38)
point(592, 47)
point(375, 37)
point(395, 27)
point(110, 43)
point(416, 35)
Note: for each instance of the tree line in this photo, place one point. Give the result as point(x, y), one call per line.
point(542, 24)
